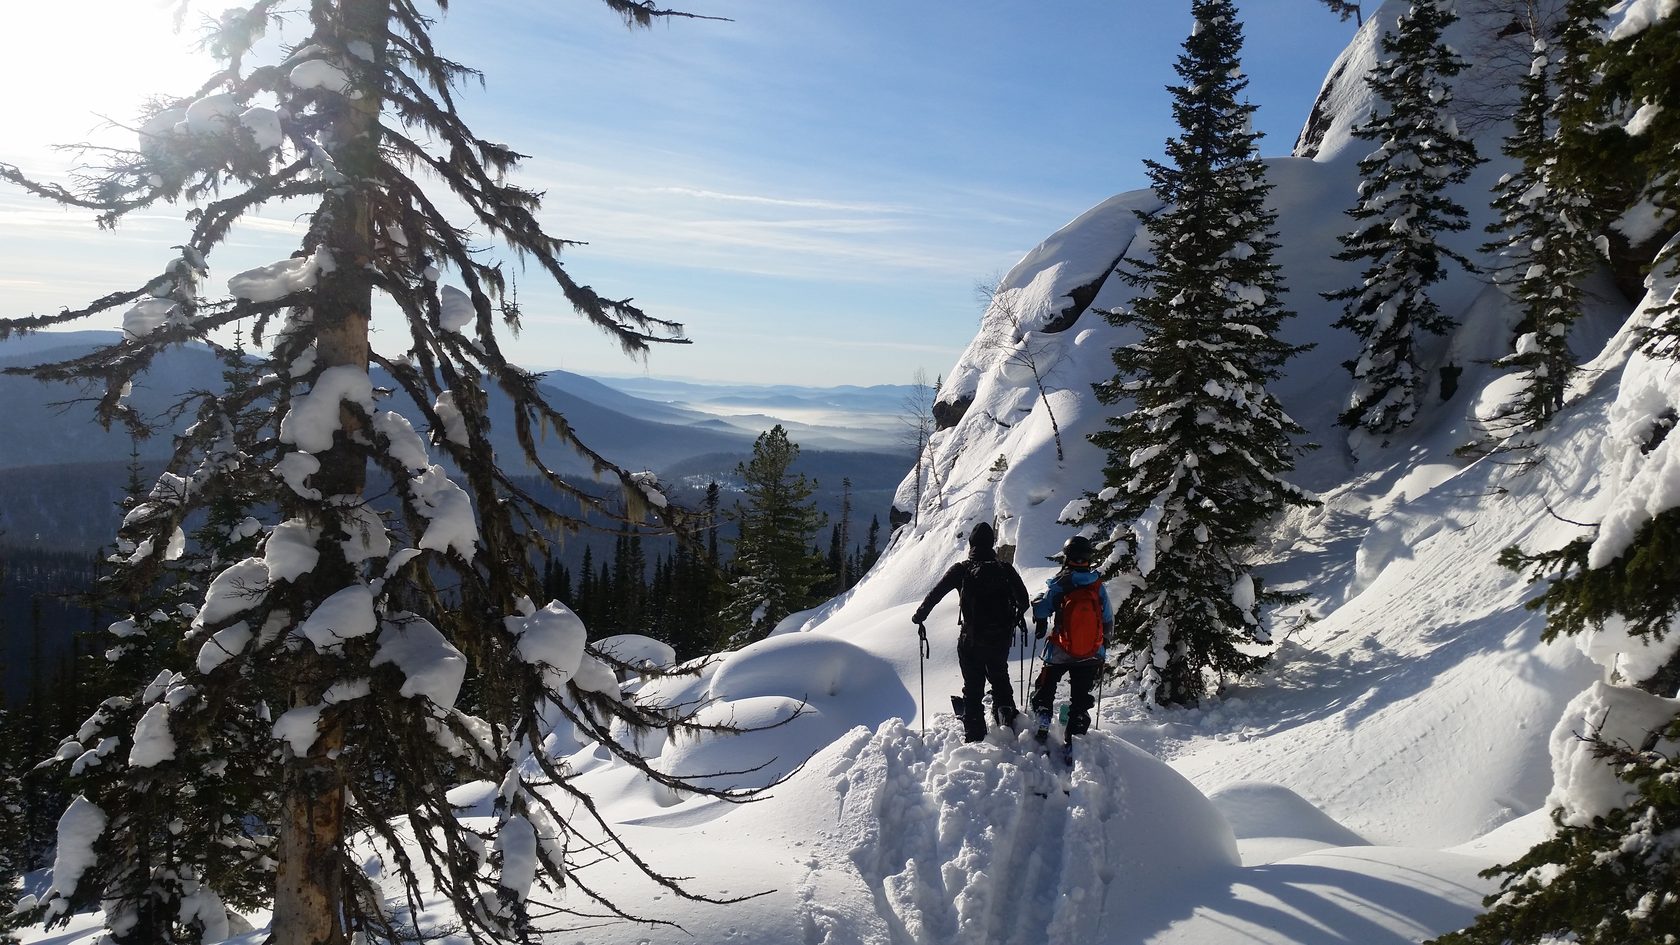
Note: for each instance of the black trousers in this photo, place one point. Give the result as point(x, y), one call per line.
point(985, 661)
point(1082, 678)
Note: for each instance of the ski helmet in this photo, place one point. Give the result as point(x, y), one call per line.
point(1078, 550)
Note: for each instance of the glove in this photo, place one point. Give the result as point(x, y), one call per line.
point(918, 618)
point(1041, 626)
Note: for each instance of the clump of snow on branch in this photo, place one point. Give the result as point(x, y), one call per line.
point(290, 551)
point(455, 309)
point(1584, 787)
point(454, 425)
point(78, 829)
point(318, 74)
point(346, 615)
point(432, 668)
point(448, 511)
point(551, 639)
point(152, 741)
point(239, 588)
point(314, 417)
point(224, 645)
point(280, 279)
point(149, 315)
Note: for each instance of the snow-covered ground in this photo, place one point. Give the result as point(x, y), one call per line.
point(1399, 743)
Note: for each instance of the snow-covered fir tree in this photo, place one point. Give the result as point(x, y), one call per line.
point(1549, 247)
point(394, 639)
point(178, 771)
point(1639, 88)
point(775, 570)
point(1403, 209)
point(1193, 470)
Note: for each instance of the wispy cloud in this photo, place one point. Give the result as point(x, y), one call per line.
point(770, 231)
point(809, 203)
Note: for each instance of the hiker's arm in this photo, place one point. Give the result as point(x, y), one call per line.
point(946, 585)
point(1108, 610)
point(1046, 603)
point(1021, 598)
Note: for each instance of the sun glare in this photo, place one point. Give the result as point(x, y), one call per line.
point(75, 64)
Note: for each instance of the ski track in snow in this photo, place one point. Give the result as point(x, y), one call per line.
point(992, 842)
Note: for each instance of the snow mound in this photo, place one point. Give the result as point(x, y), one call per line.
point(1272, 823)
point(801, 691)
point(998, 842)
point(637, 650)
point(815, 669)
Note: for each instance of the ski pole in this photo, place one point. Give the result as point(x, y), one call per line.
point(1023, 622)
point(1102, 679)
point(926, 651)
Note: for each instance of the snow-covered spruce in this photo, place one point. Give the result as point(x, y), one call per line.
point(1404, 207)
point(1550, 232)
point(1198, 446)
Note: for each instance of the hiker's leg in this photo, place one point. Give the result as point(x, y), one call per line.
point(1003, 691)
point(973, 665)
point(1083, 682)
point(1044, 688)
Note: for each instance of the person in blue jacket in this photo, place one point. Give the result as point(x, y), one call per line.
point(1078, 647)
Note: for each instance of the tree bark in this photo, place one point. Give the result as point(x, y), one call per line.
point(310, 887)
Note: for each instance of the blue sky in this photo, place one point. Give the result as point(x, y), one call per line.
point(814, 188)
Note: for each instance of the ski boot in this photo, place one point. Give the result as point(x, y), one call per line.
point(1043, 733)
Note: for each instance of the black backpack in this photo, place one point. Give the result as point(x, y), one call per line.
point(989, 606)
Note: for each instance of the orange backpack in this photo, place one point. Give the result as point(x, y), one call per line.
point(1079, 621)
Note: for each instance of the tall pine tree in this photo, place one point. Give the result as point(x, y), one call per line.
point(370, 625)
point(1550, 217)
point(776, 570)
point(1403, 210)
point(1193, 470)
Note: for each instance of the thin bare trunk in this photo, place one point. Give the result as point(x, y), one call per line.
point(309, 906)
point(1044, 397)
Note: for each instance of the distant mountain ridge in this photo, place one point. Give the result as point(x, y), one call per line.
point(48, 435)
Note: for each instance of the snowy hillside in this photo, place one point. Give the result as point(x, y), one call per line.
point(1401, 741)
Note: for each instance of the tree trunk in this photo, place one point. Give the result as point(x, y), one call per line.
point(309, 906)
point(309, 883)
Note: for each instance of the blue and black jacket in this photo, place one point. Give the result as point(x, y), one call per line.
point(1044, 606)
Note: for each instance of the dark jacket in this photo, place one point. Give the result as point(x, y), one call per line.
point(974, 620)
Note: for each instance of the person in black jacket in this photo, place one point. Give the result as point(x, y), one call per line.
point(991, 599)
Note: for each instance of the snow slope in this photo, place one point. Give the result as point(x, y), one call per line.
point(1399, 743)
